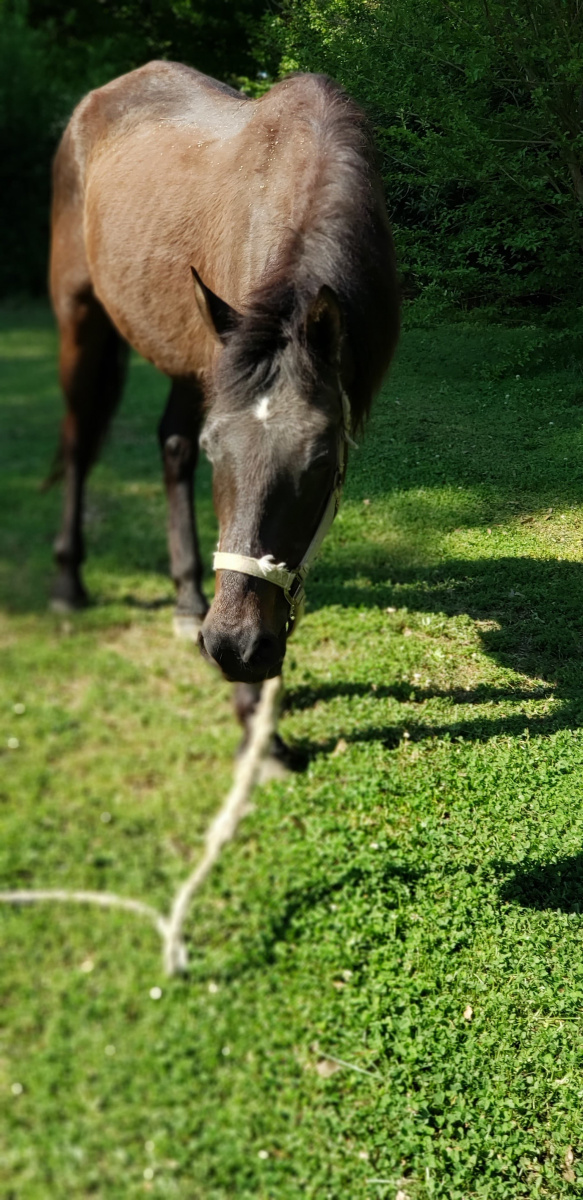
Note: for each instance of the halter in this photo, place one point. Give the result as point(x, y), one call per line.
point(292, 582)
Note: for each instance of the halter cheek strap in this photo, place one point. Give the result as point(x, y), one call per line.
point(292, 582)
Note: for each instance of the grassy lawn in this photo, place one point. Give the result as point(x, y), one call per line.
point(410, 905)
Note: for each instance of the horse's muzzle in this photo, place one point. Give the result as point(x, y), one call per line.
point(248, 656)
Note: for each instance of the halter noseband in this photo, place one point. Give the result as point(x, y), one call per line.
point(292, 582)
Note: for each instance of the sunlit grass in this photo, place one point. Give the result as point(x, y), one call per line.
point(429, 858)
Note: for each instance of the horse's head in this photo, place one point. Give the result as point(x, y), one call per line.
point(276, 436)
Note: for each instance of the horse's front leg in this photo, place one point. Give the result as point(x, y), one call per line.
point(281, 758)
point(178, 435)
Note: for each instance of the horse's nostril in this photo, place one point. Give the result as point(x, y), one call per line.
point(215, 647)
point(249, 657)
point(261, 651)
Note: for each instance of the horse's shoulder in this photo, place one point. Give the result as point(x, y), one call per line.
point(159, 91)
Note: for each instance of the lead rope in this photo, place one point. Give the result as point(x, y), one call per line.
point(221, 831)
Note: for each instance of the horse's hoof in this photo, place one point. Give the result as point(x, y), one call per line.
point(63, 608)
point(286, 758)
point(68, 596)
point(187, 627)
point(272, 768)
point(281, 761)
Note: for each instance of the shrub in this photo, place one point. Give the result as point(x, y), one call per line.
point(477, 107)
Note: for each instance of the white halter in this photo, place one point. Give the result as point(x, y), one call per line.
point(292, 582)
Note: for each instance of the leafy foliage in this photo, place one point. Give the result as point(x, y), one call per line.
point(211, 35)
point(30, 107)
point(477, 107)
point(51, 54)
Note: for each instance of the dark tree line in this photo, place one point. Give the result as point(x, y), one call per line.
point(478, 110)
point(52, 53)
point(477, 107)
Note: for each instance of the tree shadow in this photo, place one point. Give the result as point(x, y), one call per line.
point(555, 886)
point(529, 616)
point(307, 695)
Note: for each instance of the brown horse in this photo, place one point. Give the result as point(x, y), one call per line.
point(276, 204)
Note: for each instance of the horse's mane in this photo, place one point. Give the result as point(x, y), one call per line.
point(343, 240)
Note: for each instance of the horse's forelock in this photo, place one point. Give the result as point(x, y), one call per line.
point(252, 356)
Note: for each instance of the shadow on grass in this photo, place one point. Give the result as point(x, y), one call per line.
point(403, 692)
point(278, 918)
point(529, 614)
point(555, 886)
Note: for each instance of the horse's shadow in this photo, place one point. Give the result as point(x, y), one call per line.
point(529, 615)
point(556, 886)
point(279, 921)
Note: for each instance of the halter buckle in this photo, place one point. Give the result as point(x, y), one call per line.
point(295, 596)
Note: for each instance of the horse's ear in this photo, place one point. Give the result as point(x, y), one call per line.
point(325, 326)
point(217, 315)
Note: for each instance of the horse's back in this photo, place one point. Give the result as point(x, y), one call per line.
point(156, 93)
point(98, 185)
point(165, 167)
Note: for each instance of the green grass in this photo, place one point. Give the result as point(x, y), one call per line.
point(429, 859)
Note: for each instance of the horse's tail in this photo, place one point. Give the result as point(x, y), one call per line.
point(56, 470)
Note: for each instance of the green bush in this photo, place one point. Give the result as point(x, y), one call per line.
point(477, 108)
point(51, 54)
point(30, 110)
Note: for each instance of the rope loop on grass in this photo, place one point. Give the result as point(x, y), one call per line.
point(221, 831)
point(226, 822)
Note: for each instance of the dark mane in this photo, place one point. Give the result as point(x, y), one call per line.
point(343, 241)
point(264, 329)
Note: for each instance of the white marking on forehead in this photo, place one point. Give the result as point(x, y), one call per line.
point(261, 408)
